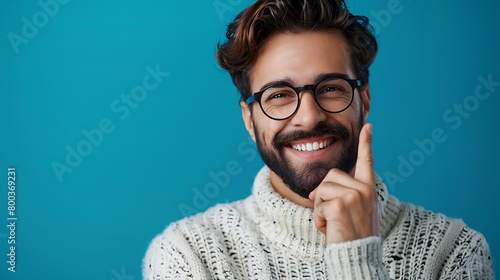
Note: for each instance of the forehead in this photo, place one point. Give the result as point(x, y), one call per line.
point(301, 57)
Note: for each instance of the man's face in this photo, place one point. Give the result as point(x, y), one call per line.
point(300, 59)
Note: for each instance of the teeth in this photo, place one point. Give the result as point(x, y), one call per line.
point(309, 147)
point(315, 146)
point(312, 146)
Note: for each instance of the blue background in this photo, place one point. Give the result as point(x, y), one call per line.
point(96, 222)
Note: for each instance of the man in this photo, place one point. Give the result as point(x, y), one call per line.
point(317, 210)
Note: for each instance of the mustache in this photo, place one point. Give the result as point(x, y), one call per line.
point(321, 129)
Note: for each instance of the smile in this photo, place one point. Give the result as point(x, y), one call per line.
point(313, 146)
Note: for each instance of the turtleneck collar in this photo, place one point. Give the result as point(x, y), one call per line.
point(293, 226)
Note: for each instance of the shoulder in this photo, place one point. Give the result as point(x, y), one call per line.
point(428, 223)
point(215, 224)
point(201, 244)
point(426, 220)
point(442, 242)
point(213, 221)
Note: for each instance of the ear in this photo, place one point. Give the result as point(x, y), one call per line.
point(246, 114)
point(365, 101)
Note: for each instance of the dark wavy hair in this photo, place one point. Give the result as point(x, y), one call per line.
point(254, 25)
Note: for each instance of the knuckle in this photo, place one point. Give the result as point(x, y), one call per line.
point(352, 197)
point(371, 189)
point(369, 193)
point(367, 158)
point(334, 172)
point(336, 206)
point(374, 195)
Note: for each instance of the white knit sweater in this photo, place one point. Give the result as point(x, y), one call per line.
point(266, 236)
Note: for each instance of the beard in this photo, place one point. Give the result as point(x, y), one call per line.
point(305, 178)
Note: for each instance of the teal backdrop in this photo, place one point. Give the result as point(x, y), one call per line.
point(118, 121)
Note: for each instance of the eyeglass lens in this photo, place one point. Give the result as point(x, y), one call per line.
point(332, 95)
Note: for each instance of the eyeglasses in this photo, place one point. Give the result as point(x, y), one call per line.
point(280, 101)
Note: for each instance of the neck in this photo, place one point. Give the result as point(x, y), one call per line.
point(283, 189)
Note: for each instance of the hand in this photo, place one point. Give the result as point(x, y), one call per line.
point(345, 208)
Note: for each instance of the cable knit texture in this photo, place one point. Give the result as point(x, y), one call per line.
point(266, 236)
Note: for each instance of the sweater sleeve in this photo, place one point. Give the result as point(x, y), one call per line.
point(470, 260)
point(169, 256)
point(358, 259)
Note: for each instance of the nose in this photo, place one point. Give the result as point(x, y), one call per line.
point(309, 114)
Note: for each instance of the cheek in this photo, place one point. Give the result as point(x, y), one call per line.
point(354, 113)
point(351, 118)
point(348, 118)
point(356, 107)
point(266, 129)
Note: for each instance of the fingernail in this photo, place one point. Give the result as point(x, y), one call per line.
point(370, 128)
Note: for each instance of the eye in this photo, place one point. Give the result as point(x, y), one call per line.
point(331, 89)
point(334, 87)
point(279, 95)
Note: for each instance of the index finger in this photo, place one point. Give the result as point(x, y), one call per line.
point(364, 171)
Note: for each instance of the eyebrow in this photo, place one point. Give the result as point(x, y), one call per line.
point(289, 81)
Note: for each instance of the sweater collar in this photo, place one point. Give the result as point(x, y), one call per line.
point(292, 225)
